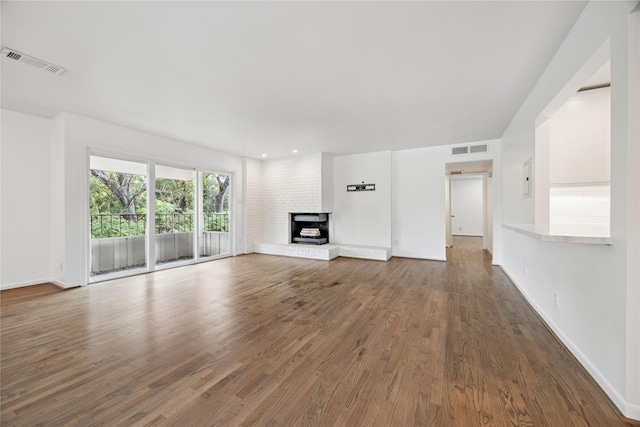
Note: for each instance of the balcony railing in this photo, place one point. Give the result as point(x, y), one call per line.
point(127, 225)
point(118, 242)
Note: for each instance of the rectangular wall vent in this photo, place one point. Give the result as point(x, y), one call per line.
point(468, 149)
point(460, 150)
point(478, 148)
point(21, 57)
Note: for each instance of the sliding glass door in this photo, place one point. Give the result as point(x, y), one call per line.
point(190, 220)
point(214, 215)
point(118, 215)
point(175, 214)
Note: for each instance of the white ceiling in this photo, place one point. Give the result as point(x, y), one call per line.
point(270, 77)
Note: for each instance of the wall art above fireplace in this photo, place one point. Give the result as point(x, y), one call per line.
point(361, 187)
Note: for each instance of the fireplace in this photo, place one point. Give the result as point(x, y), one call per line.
point(310, 228)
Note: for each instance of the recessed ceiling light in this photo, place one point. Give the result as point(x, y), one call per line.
point(264, 155)
point(295, 151)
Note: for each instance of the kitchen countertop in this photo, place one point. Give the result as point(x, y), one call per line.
point(567, 233)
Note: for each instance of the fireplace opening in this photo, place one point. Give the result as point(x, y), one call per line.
point(310, 228)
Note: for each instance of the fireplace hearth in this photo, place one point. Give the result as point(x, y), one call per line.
point(310, 228)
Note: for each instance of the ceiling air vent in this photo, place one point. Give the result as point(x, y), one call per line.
point(460, 150)
point(456, 172)
point(478, 148)
point(12, 54)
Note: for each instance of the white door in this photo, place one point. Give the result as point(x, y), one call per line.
point(467, 212)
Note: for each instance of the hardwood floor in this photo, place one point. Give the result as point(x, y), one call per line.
point(467, 241)
point(29, 293)
point(261, 340)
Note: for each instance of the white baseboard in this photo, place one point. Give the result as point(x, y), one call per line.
point(632, 412)
point(627, 409)
point(317, 252)
point(365, 252)
point(405, 254)
point(494, 261)
point(58, 283)
point(25, 283)
point(34, 282)
point(324, 252)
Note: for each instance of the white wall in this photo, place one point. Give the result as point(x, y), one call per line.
point(58, 197)
point(252, 203)
point(590, 281)
point(327, 182)
point(26, 200)
point(489, 187)
point(418, 206)
point(419, 200)
point(590, 316)
point(633, 255)
point(362, 217)
point(467, 204)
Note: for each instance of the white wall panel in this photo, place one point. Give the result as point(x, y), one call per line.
point(363, 217)
point(26, 199)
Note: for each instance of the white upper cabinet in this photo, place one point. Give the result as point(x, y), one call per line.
point(580, 139)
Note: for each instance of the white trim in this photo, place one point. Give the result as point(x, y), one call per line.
point(172, 264)
point(244, 248)
point(318, 252)
point(410, 254)
point(103, 277)
point(197, 214)
point(146, 159)
point(150, 242)
point(231, 193)
point(27, 283)
point(60, 284)
point(631, 411)
point(365, 252)
point(633, 214)
point(214, 257)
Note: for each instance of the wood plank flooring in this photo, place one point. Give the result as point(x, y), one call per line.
point(29, 293)
point(466, 242)
point(261, 340)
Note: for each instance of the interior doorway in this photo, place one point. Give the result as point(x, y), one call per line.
point(469, 203)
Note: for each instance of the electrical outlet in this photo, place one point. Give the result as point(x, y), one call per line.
point(555, 300)
point(524, 271)
point(395, 242)
point(61, 266)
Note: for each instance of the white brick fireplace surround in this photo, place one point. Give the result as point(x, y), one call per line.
point(324, 252)
point(360, 225)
